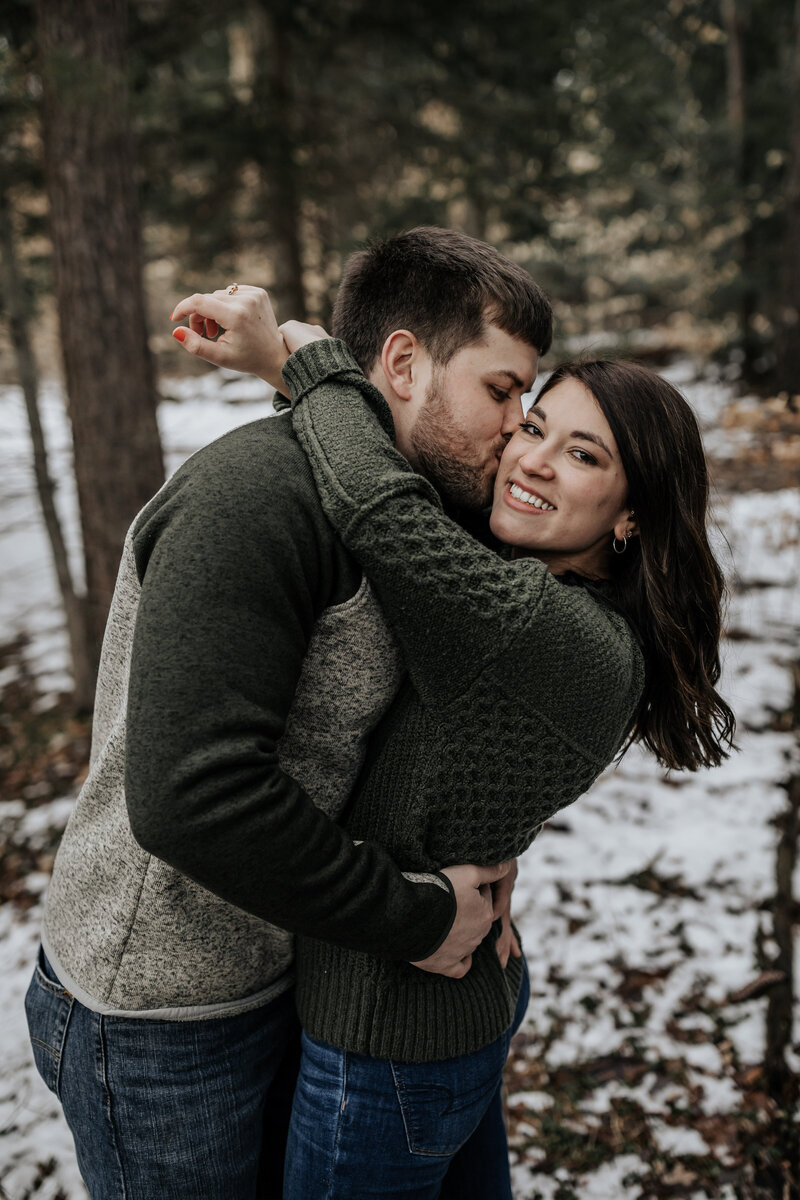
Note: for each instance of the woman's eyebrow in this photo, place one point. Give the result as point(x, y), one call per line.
point(576, 433)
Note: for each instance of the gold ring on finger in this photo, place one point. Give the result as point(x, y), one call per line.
point(233, 289)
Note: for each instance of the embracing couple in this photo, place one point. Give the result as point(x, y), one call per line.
point(330, 674)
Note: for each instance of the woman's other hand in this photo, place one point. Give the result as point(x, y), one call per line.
point(249, 339)
point(298, 333)
point(507, 943)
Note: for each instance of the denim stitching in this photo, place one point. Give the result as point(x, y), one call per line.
point(405, 1109)
point(339, 1117)
point(51, 1050)
point(60, 993)
point(56, 989)
point(60, 1055)
point(413, 1135)
point(414, 1138)
point(103, 1063)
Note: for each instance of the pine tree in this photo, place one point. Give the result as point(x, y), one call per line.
point(108, 373)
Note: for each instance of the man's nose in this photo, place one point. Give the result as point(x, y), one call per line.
point(512, 415)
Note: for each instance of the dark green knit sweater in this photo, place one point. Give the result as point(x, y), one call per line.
point(521, 691)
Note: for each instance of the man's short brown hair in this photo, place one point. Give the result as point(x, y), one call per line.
point(441, 285)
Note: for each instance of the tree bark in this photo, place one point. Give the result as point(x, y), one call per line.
point(273, 96)
point(736, 29)
point(74, 607)
point(788, 341)
point(98, 275)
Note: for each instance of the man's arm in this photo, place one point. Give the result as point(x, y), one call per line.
point(231, 577)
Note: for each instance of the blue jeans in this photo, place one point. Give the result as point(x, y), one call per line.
point(167, 1110)
point(373, 1127)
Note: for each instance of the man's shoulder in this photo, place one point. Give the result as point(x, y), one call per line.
point(261, 453)
point(249, 491)
point(257, 471)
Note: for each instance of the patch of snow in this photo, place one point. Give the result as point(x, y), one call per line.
point(532, 1101)
point(45, 818)
point(606, 1182)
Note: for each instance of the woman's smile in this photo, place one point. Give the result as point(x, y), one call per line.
point(524, 499)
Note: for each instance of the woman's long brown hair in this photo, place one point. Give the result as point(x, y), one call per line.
point(667, 583)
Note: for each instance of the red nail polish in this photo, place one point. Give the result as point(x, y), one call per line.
point(179, 334)
point(172, 315)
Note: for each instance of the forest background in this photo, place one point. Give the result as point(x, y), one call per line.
point(643, 163)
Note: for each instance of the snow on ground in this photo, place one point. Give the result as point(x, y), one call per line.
point(639, 907)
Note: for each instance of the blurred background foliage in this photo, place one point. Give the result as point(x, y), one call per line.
point(637, 159)
point(641, 161)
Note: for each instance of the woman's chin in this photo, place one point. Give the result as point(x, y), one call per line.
point(498, 523)
point(507, 530)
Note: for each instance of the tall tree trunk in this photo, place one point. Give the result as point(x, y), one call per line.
point(736, 28)
point(273, 96)
point(789, 328)
point(74, 606)
point(98, 274)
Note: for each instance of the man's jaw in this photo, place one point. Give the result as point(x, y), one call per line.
point(465, 485)
point(459, 484)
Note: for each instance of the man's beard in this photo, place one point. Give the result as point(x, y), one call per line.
point(442, 454)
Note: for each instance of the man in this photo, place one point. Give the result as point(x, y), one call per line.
point(244, 665)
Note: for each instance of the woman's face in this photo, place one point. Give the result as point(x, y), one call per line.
point(561, 492)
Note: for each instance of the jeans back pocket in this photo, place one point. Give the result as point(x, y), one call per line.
point(444, 1102)
point(48, 1007)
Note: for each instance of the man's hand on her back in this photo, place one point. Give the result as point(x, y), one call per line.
point(251, 340)
point(474, 917)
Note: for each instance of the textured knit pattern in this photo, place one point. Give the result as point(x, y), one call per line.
point(521, 691)
point(126, 931)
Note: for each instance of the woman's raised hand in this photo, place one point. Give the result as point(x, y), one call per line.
point(249, 338)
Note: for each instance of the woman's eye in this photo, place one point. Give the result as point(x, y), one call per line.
point(584, 457)
point(529, 427)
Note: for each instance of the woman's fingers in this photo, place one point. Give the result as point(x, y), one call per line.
point(205, 305)
point(201, 347)
point(251, 342)
point(197, 324)
point(507, 944)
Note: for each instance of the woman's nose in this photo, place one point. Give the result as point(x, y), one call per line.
point(537, 462)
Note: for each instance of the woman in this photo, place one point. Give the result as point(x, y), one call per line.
point(526, 678)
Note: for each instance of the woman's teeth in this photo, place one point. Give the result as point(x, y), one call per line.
point(527, 498)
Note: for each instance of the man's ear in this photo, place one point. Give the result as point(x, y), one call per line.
point(399, 362)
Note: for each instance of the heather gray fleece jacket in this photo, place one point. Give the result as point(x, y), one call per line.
point(244, 664)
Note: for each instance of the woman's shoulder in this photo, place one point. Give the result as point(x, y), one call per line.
point(578, 650)
point(582, 608)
